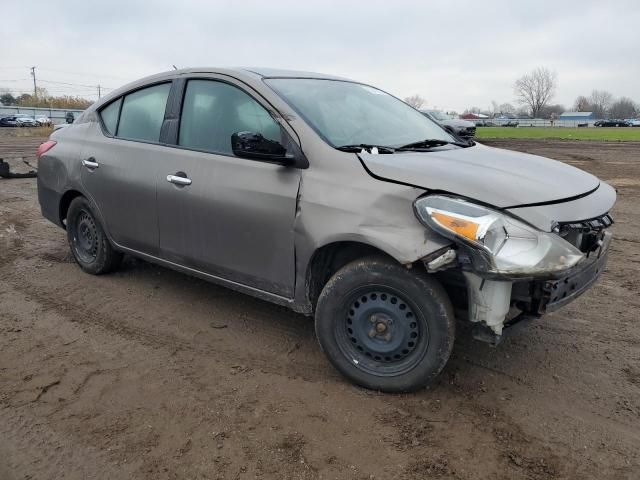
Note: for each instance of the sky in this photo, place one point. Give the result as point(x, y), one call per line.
point(453, 54)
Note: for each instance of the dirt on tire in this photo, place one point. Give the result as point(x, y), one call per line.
point(150, 374)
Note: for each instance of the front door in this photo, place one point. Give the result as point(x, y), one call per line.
point(227, 216)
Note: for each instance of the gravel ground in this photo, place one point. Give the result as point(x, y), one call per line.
point(150, 374)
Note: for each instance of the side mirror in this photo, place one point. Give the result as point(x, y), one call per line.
point(253, 145)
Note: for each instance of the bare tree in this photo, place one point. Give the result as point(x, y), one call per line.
point(507, 108)
point(416, 101)
point(582, 104)
point(552, 111)
point(601, 101)
point(536, 88)
point(623, 108)
point(495, 108)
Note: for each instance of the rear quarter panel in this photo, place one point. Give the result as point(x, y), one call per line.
point(59, 170)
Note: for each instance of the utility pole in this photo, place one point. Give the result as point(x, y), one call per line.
point(99, 92)
point(35, 87)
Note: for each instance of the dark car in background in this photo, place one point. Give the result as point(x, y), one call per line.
point(8, 122)
point(457, 126)
point(612, 122)
point(19, 120)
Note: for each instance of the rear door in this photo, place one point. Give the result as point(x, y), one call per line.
point(232, 217)
point(120, 165)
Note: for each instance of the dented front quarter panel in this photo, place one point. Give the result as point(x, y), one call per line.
point(340, 202)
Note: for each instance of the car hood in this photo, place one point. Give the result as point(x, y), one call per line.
point(456, 122)
point(493, 176)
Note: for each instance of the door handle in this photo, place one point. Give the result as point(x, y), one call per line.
point(90, 163)
point(179, 180)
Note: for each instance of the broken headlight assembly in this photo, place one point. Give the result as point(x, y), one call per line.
point(499, 244)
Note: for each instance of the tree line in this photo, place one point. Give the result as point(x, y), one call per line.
point(534, 92)
point(42, 99)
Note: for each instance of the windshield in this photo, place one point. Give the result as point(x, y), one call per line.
point(439, 115)
point(348, 113)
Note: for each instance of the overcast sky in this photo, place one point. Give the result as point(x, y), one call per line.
point(454, 54)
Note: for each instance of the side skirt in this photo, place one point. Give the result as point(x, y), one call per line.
point(238, 287)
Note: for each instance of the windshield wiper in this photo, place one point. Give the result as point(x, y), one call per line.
point(366, 146)
point(431, 142)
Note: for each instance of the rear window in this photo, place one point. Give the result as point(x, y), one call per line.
point(109, 116)
point(142, 113)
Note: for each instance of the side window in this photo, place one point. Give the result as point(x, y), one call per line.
point(213, 111)
point(109, 115)
point(143, 113)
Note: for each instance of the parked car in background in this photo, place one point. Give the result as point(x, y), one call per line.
point(44, 121)
point(333, 198)
point(633, 122)
point(612, 122)
point(461, 128)
point(482, 122)
point(9, 121)
point(19, 120)
point(26, 121)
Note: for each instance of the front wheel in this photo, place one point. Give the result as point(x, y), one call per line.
point(385, 327)
point(88, 242)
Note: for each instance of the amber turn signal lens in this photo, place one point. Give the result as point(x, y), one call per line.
point(464, 228)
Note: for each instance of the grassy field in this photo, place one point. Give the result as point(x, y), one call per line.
point(26, 132)
point(622, 134)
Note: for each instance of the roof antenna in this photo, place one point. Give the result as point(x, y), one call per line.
point(174, 67)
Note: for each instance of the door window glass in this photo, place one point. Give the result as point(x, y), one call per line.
point(213, 111)
point(109, 116)
point(143, 113)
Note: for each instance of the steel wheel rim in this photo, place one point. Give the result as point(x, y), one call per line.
point(382, 332)
point(85, 238)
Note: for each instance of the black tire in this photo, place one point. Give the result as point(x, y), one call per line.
point(385, 327)
point(88, 242)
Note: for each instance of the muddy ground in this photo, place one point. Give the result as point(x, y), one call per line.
point(150, 374)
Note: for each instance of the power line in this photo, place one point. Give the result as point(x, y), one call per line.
point(71, 84)
point(101, 75)
point(60, 87)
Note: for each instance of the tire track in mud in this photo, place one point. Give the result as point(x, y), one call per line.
point(58, 455)
point(68, 306)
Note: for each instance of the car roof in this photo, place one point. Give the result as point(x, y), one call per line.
point(276, 72)
point(242, 73)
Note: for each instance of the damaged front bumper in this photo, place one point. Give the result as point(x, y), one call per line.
point(491, 299)
point(561, 289)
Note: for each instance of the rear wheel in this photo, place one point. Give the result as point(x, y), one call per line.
point(88, 242)
point(385, 327)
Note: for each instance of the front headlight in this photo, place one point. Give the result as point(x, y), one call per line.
point(500, 244)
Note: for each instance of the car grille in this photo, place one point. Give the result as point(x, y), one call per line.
point(585, 235)
point(468, 132)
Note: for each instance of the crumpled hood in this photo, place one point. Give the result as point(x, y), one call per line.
point(497, 177)
point(458, 123)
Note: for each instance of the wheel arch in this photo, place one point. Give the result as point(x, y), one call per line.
point(65, 202)
point(331, 257)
